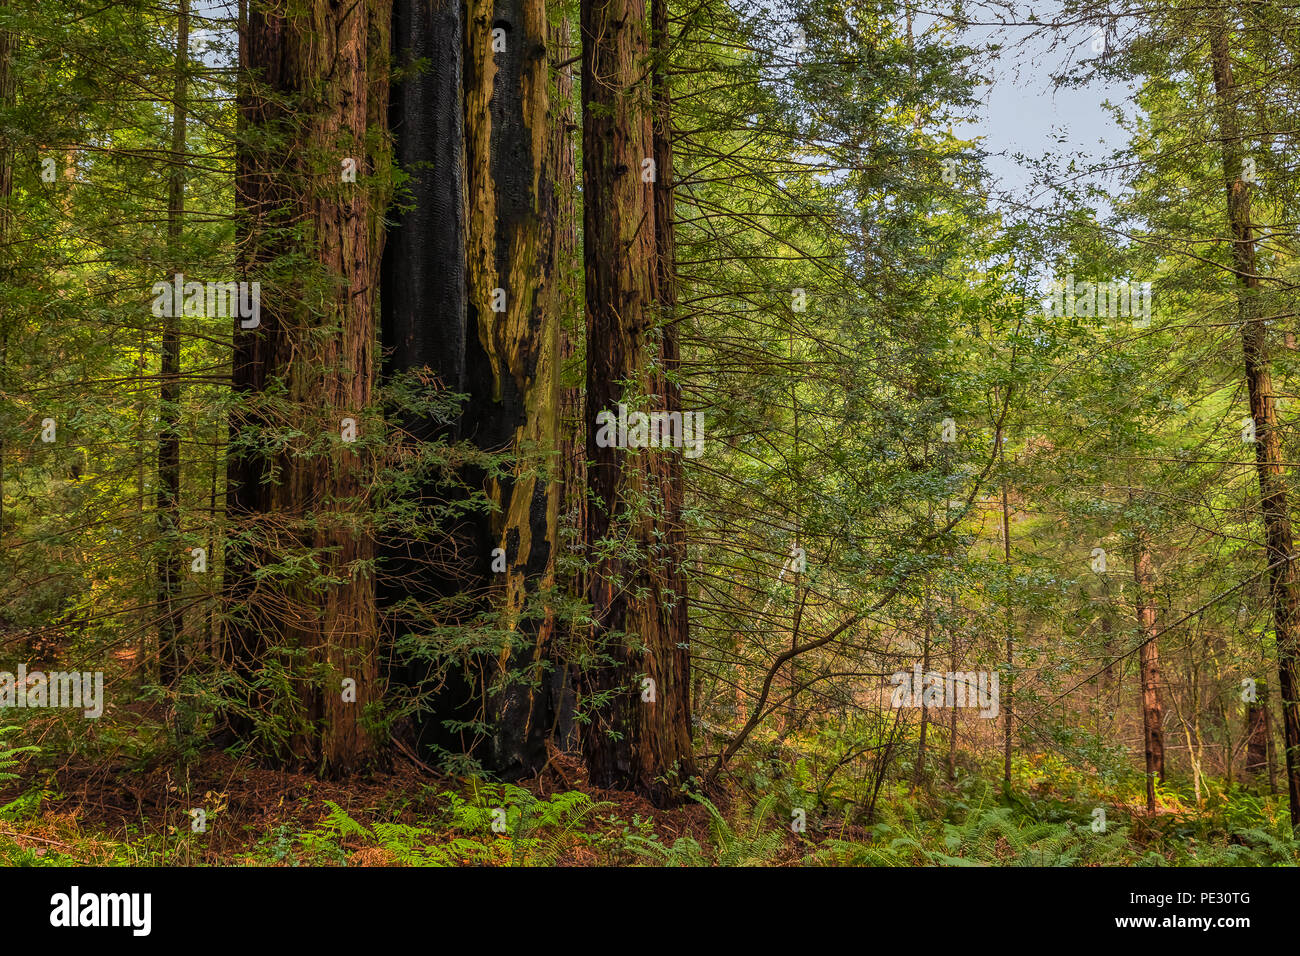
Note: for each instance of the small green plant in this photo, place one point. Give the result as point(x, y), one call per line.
point(9, 755)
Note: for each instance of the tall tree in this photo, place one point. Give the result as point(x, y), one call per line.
point(170, 617)
point(6, 219)
point(636, 699)
point(478, 142)
point(512, 355)
point(424, 335)
point(302, 591)
point(1279, 545)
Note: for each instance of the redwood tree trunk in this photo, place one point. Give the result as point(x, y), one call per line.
point(424, 333)
point(1278, 544)
point(317, 81)
point(470, 302)
point(566, 288)
point(512, 360)
point(638, 702)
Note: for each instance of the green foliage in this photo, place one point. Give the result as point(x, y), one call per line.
point(750, 841)
point(537, 832)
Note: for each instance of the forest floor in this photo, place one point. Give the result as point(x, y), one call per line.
point(126, 798)
point(104, 814)
point(95, 814)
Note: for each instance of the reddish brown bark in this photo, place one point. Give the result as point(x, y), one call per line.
point(319, 84)
point(633, 530)
point(1153, 735)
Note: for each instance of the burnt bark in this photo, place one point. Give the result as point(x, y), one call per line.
point(469, 302)
point(424, 333)
point(512, 360)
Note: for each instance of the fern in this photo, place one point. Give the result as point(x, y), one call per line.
point(755, 846)
point(8, 757)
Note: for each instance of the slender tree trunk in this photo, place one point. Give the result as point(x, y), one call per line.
point(1009, 622)
point(317, 86)
point(1149, 667)
point(1256, 739)
point(638, 701)
point(7, 92)
point(1193, 743)
point(1279, 547)
point(1272, 749)
point(954, 651)
point(918, 775)
point(1229, 747)
point(170, 618)
point(1110, 678)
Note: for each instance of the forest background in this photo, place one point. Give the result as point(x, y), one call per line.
point(310, 313)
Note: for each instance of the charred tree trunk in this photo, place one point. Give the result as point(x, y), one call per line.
point(512, 360)
point(316, 85)
point(1278, 547)
point(469, 301)
point(424, 335)
point(638, 736)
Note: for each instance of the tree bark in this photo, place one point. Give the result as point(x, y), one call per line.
point(1009, 622)
point(954, 651)
point(471, 300)
point(566, 299)
point(638, 736)
point(170, 618)
point(1149, 667)
point(918, 772)
point(424, 334)
point(1256, 739)
point(317, 83)
point(7, 91)
point(513, 357)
